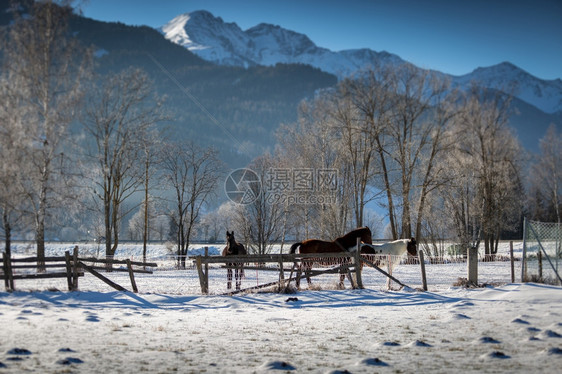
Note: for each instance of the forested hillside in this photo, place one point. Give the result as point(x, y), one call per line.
point(233, 109)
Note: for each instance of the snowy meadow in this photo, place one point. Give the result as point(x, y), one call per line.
point(169, 326)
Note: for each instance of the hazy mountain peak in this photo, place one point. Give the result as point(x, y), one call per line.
point(543, 94)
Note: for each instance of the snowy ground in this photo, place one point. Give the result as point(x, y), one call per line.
point(170, 327)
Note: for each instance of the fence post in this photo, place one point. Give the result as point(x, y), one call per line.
point(203, 274)
point(75, 269)
point(389, 269)
point(539, 258)
point(199, 264)
point(132, 276)
point(422, 265)
point(8, 279)
point(281, 273)
point(206, 270)
point(68, 270)
point(358, 265)
point(5, 269)
point(472, 266)
point(524, 255)
point(512, 261)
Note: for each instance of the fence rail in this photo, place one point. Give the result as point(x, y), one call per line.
point(74, 267)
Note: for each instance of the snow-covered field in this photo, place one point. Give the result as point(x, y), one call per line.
point(170, 327)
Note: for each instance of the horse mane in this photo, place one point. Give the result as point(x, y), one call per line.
point(349, 240)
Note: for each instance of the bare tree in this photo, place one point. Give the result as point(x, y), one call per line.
point(410, 133)
point(355, 114)
point(314, 143)
point(12, 143)
point(192, 173)
point(545, 178)
point(262, 219)
point(118, 116)
point(151, 152)
point(438, 141)
point(485, 188)
point(46, 67)
point(362, 123)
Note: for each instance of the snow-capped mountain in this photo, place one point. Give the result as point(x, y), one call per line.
point(223, 43)
point(227, 44)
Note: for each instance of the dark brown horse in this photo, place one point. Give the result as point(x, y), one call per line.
point(342, 244)
point(232, 249)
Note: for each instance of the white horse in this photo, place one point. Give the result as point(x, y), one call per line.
point(394, 248)
point(379, 254)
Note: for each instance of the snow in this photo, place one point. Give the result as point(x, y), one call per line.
point(169, 326)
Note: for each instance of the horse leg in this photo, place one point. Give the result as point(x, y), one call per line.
point(229, 278)
point(343, 272)
point(298, 276)
point(238, 277)
point(308, 271)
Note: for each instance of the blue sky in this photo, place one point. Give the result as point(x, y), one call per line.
point(452, 36)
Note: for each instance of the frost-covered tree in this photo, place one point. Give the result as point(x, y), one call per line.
point(13, 141)
point(45, 67)
point(192, 173)
point(545, 179)
point(151, 153)
point(119, 114)
point(484, 194)
point(314, 143)
point(262, 219)
point(383, 130)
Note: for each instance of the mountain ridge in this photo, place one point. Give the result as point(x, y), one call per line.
point(223, 43)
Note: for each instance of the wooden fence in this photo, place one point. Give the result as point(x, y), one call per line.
point(348, 262)
point(70, 267)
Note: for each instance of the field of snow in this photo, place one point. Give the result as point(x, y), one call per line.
point(170, 327)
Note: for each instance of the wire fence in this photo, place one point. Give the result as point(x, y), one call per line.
point(542, 253)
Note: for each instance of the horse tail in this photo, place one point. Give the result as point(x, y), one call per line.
point(294, 247)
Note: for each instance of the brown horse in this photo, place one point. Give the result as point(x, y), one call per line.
point(341, 244)
point(232, 249)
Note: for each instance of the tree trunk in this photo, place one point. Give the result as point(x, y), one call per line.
point(145, 228)
point(388, 191)
point(8, 234)
point(186, 246)
point(107, 218)
point(40, 240)
point(406, 219)
point(420, 214)
point(181, 241)
point(40, 232)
